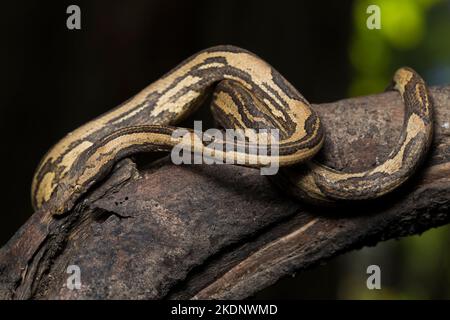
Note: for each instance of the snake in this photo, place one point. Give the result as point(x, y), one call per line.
point(246, 92)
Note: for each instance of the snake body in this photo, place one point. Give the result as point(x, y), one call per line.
point(317, 183)
point(248, 93)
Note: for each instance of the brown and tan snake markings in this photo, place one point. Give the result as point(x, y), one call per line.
point(248, 93)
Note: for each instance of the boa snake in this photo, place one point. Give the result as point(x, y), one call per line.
point(248, 93)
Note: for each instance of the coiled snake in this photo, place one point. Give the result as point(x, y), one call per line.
point(248, 93)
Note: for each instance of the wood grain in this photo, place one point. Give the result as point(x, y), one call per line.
point(166, 231)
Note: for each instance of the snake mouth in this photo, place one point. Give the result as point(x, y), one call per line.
point(64, 199)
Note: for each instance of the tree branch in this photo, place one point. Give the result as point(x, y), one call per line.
point(166, 231)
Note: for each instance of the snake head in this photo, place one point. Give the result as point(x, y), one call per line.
point(64, 199)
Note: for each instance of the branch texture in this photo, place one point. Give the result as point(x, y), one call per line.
point(213, 232)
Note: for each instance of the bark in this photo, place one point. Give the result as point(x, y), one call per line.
point(166, 231)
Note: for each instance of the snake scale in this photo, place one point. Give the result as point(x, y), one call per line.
point(247, 93)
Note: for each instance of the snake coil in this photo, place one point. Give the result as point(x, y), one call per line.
point(248, 93)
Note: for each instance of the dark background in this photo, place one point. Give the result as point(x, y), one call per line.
point(54, 79)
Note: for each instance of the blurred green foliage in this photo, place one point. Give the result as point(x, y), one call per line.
point(416, 267)
point(414, 33)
